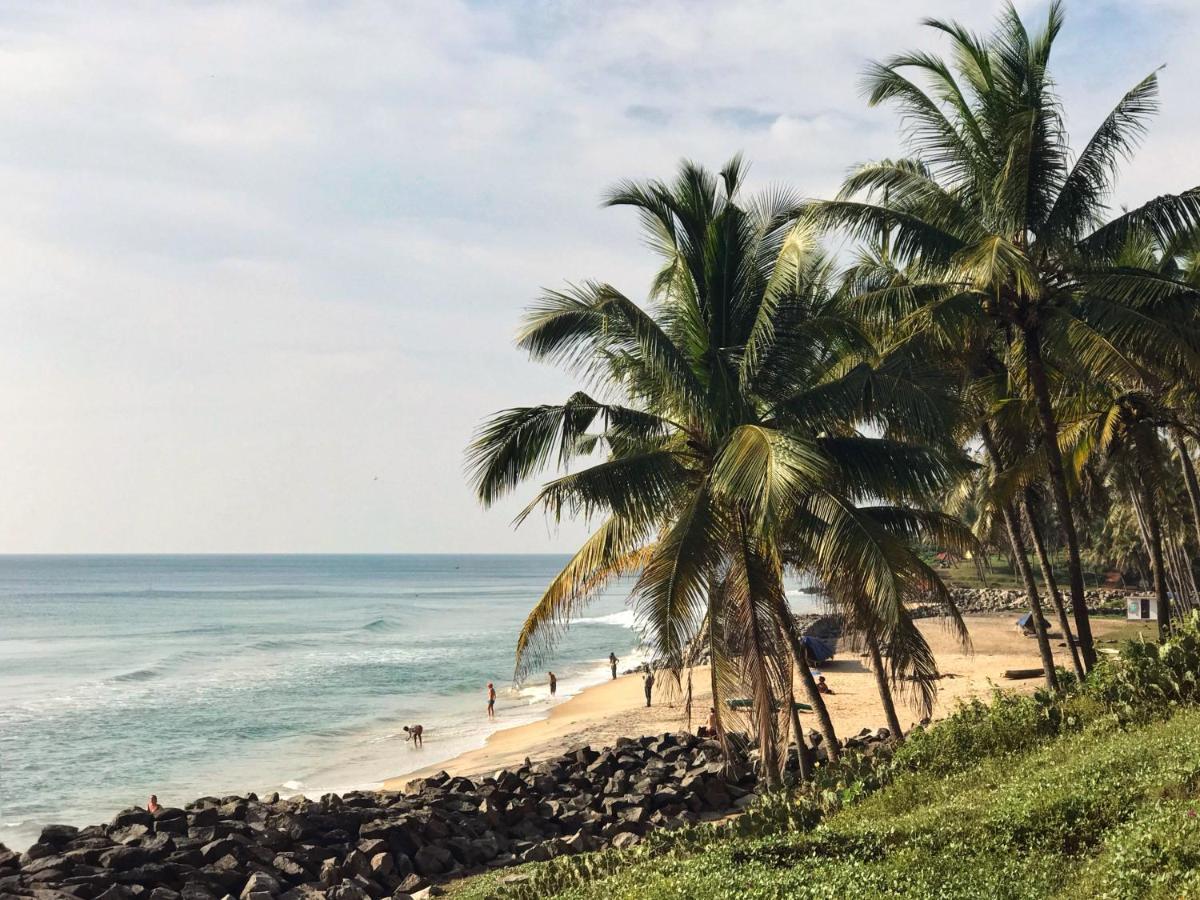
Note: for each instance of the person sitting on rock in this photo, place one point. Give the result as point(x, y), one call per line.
point(416, 734)
point(152, 804)
point(709, 730)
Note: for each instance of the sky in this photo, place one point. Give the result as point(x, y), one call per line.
point(261, 264)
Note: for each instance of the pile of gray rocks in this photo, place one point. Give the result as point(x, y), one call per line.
point(994, 600)
point(385, 844)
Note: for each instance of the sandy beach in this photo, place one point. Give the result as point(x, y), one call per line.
point(600, 714)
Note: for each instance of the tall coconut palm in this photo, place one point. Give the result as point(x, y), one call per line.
point(994, 204)
point(923, 320)
point(716, 453)
point(1119, 431)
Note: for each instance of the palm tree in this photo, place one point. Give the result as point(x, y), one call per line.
point(719, 452)
point(1119, 431)
point(882, 291)
point(993, 205)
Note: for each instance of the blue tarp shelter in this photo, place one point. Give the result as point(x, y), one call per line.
point(818, 650)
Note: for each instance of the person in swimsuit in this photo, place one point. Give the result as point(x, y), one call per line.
point(612, 661)
point(416, 734)
point(553, 684)
point(648, 686)
point(491, 701)
point(152, 806)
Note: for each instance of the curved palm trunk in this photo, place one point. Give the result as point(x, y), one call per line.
point(885, 691)
point(1189, 477)
point(815, 699)
point(1039, 546)
point(1058, 483)
point(802, 756)
point(1017, 541)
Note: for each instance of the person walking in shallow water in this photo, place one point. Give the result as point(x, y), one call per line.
point(491, 701)
point(648, 686)
point(612, 661)
point(553, 684)
point(416, 734)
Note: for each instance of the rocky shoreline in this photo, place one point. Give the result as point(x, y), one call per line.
point(993, 600)
point(367, 844)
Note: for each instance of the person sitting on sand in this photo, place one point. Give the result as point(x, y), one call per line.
point(822, 687)
point(612, 661)
point(491, 701)
point(416, 734)
point(553, 684)
point(648, 686)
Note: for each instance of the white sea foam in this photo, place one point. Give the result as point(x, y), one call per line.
point(625, 618)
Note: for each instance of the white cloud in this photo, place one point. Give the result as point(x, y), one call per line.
point(256, 256)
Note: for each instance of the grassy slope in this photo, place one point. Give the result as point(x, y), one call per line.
point(1092, 815)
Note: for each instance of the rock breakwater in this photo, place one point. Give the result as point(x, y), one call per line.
point(367, 844)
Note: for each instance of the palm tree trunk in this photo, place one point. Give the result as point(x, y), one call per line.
point(1017, 541)
point(815, 700)
point(1158, 570)
point(1039, 547)
point(885, 691)
point(802, 756)
point(1189, 477)
point(1058, 483)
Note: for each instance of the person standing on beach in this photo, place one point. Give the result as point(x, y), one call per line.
point(491, 701)
point(648, 686)
point(612, 661)
point(553, 684)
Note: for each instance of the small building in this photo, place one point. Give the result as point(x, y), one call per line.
point(1141, 609)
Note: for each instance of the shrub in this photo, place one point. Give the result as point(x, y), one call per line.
point(1009, 724)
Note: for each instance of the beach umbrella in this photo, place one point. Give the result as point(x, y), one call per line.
point(817, 649)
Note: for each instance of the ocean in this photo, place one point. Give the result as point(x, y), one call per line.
point(185, 676)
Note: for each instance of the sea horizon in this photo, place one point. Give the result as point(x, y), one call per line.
point(187, 675)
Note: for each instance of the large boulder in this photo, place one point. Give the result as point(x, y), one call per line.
point(433, 860)
point(121, 859)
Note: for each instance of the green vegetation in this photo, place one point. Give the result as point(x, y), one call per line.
point(1091, 794)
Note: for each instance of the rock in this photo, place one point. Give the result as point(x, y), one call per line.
point(134, 815)
point(129, 833)
point(214, 850)
point(122, 859)
point(410, 884)
point(47, 863)
point(261, 883)
point(382, 866)
point(58, 835)
point(37, 851)
point(625, 840)
point(196, 890)
point(433, 860)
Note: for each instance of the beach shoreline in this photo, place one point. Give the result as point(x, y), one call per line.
point(601, 713)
